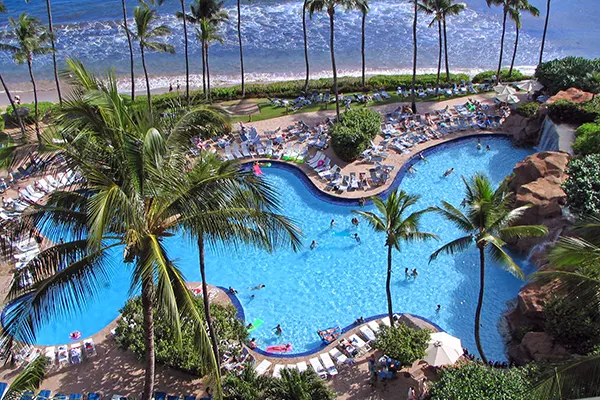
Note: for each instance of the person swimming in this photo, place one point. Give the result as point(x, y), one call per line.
point(463, 203)
point(355, 221)
point(232, 290)
point(415, 273)
point(332, 224)
point(439, 308)
point(313, 245)
point(406, 273)
point(258, 287)
point(412, 170)
point(356, 238)
point(488, 147)
point(278, 330)
point(448, 172)
point(478, 144)
point(422, 157)
point(252, 343)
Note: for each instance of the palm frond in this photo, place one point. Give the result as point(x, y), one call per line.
point(495, 247)
point(28, 380)
point(455, 246)
point(575, 380)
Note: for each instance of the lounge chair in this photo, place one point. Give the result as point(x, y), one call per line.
point(359, 343)
point(323, 167)
point(353, 181)
point(318, 368)
point(302, 366)
point(28, 395)
point(386, 321)
point(245, 150)
point(189, 397)
point(235, 148)
point(345, 183)
point(263, 367)
point(94, 396)
point(52, 180)
point(50, 354)
point(368, 333)
point(60, 396)
point(3, 387)
point(260, 149)
point(160, 396)
point(277, 370)
point(315, 160)
point(228, 155)
point(26, 245)
point(374, 326)
point(328, 363)
point(89, 347)
point(75, 396)
point(63, 355)
point(28, 255)
point(172, 397)
point(338, 356)
point(76, 353)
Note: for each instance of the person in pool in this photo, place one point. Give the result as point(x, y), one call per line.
point(406, 273)
point(412, 170)
point(332, 224)
point(448, 172)
point(258, 287)
point(249, 326)
point(478, 144)
point(232, 290)
point(355, 221)
point(252, 343)
point(422, 157)
point(439, 308)
point(488, 147)
point(313, 245)
point(278, 330)
point(415, 273)
point(356, 238)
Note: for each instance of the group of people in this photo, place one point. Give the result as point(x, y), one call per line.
point(411, 274)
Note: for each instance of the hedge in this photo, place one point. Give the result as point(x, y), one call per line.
point(565, 73)
point(45, 109)
point(516, 76)
point(403, 343)
point(587, 139)
point(528, 110)
point(583, 184)
point(574, 113)
point(351, 136)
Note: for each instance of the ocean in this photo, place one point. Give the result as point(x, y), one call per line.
point(273, 44)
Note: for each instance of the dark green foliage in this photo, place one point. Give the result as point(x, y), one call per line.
point(583, 184)
point(130, 335)
point(587, 139)
point(403, 343)
point(574, 113)
point(45, 110)
point(1, 124)
point(572, 325)
point(516, 76)
point(528, 110)
point(476, 381)
point(562, 74)
point(352, 134)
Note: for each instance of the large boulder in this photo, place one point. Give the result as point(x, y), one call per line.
point(526, 131)
point(540, 347)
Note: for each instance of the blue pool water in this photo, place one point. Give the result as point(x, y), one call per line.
point(341, 280)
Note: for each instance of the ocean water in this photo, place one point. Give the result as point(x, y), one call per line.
point(341, 280)
point(272, 35)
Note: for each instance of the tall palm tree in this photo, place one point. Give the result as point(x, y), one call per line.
point(506, 7)
point(435, 7)
point(30, 39)
point(130, 44)
point(304, 34)
point(487, 224)
point(363, 7)
point(52, 37)
point(330, 6)
point(545, 30)
point(450, 8)
point(239, 31)
point(515, 15)
point(414, 75)
point(187, 61)
point(296, 385)
point(398, 227)
point(145, 34)
point(208, 34)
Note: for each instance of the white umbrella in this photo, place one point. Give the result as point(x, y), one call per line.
point(529, 85)
point(507, 98)
point(443, 349)
point(504, 89)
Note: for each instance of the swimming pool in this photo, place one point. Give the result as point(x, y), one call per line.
point(341, 280)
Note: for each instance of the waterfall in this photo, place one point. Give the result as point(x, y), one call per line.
point(549, 137)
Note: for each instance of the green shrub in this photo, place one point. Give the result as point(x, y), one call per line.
point(528, 110)
point(516, 76)
point(352, 134)
point(130, 335)
point(403, 343)
point(574, 113)
point(587, 139)
point(477, 381)
point(562, 74)
point(583, 184)
point(45, 109)
point(571, 325)
point(1, 124)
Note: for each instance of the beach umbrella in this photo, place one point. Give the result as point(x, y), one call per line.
point(504, 89)
point(443, 349)
point(22, 111)
point(507, 98)
point(529, 85)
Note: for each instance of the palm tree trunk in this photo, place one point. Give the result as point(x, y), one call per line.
point(362, 47)
point(332, 50)
point(437, 81)
point(147, 80)
point(480, 303)
point(207, 75)
point(305, 49)
point(205, 300)
point(512, 62)
point(12, 103)
point(446, 50)
point(35, 102)
point(130, 50)
point(187, 65)
point(51, 30)
point(147, 309)
point(545, 30)
point(388, 289)
point(414, 77)
point(239, 28)
point(501, 47)
point(203, 69)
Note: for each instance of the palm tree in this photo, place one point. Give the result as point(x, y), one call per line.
point(506, 5)
point(487, 224)
point(305, 47)
point(450, 8)
point(30, 38)
point(329, 6)
point(127, 32)
point(247, 386)
point(391, 220)
point(363, 7)
point(28, 380)
point(207, 34)
point(545, 30)
point(187, 61)
point(414, 75)
point(515, 15)
point(296, 385)
point(144, 17)
point(239, 31)
point(435, 7)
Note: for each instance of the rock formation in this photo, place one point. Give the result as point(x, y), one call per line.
point(526, 131)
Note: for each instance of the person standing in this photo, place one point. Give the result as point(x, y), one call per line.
point(372, 371)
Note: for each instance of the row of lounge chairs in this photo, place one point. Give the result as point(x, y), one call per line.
point(73, 353)
point(47, 395)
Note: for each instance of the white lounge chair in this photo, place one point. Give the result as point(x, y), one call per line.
point(353, 180)
point(359, 343)
point(386, 321)
point(27, 255)
point(328, 363)
point(318, 368)
point(26, 245)
point(50, 354)
point(339, 357)
point(277, 370)
point(76, 353)
point(374, 326)
point(89, 347)
point(63, 355)
point(368, 333)
point(235, 148)
point(302, 366)
point(315, 161)
point(315, 157)
point(245, 150)
point(263, 367)
point(228, 155)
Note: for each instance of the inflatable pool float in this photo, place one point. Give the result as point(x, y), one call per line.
point(256, 169)
point(280, 348)
point(320, 163)
point(330, 334)
point(257, 323)
point(75, 335)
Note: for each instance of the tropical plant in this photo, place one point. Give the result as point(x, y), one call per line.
point(528, 110)
point(351, 135)
point(392, 220)
point(129, 43)
point(296, 385)
point(573, 380)
point(487, 224)
point(30, 39)
point(414, 74)
point(247, 386)
point(403, 343)
point(363, 7)
point(208, 34)
point(239, 32)
point(515, 15)
point(145, 34)
point(305, 37)
point(28, 380)
point(582, 185)
point(568, 72)
point(587, 139)
point(545, 30)
point(330, 6)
